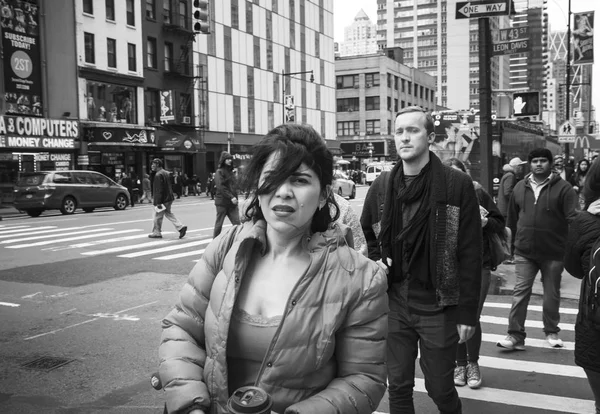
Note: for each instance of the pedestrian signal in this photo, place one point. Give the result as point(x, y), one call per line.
point(526, 103)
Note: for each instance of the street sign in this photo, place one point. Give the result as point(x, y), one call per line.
point(470, 10)
point(510, 41)
point(566, 133)
point(509, 48)
point(511, 34)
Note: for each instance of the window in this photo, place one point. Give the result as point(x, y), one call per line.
point(395, 105)
point(111, 52)
point(130, 13)
point(390, 80)
point(228, 77)
point(317, 45)
point(227, 43)
point(249, 19)
point(151, 9)
point(131, 57)
point(235, 14)
point(256, 52)
point(185, 105)
point(110, 10)
point(372, 79)
point(269, 55)
point(270, 25)
point(167, 11)
point(152, 106)
point(389, 103)
point(183, 15)
point(251, 116)
point(275, 6)
point(168, 56)
point(109, 102)
point(347, 128)
point(416, 89)
point(347, 105)
point(373, 127)
point(421, 92)
point(347, 81)
point(88, 6)
point(372, 103)
point(237, 114)
point(396, 82)
point(151, 53)
point(409, 91)
point(403, 86)
point(90, 53)
point(250, 79)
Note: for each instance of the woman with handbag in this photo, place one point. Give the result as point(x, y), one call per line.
point(281, 302)
point(467, 370)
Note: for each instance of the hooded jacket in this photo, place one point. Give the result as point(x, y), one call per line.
point(505, 189)
point(328, 354)
point(540, 228)
point(495, 222)
point(225, 182)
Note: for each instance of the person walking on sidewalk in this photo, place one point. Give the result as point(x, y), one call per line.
point(467, 370)
point(582, 260)
point(422, 224)
point(163, 199)
point(541, 206)
point(226, 199)
point(146, 189)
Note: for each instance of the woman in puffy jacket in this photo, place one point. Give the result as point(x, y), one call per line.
point(281, 302)
point(584, 231)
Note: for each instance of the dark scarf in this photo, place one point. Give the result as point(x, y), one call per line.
point(409, 248)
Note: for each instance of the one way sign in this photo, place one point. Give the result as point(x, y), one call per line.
point(472, 9)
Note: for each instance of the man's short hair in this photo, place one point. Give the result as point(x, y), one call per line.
point(158, 162)
point(429, 125)
point(540, 153)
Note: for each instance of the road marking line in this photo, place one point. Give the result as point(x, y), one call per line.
point(88, 236)
point(4, 234)
point(530, 324)
point(49, 236)
point(545, 368)
point(15, 227)
point(530, 342)
point(10, 305)
point(116, 239)
point(180, 255)
point(68, 311)
point(124, 248)
point(30, 296)
point(564, 311)
point(521, 399)
point(166, 249)
point(34, 231)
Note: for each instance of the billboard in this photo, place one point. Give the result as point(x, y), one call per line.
point(583, 38)
point(22, 63)
point(167, 110)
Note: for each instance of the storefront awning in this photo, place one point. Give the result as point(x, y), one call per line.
point(179, 143)
point(103, 134)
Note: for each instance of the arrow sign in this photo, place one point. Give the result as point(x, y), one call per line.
point(469, 10)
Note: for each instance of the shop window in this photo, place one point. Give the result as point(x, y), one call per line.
point(108, 102)
point(110, 10)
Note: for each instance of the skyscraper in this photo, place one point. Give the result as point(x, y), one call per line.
point(360, 38)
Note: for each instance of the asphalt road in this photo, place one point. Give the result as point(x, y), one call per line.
point(88, 291)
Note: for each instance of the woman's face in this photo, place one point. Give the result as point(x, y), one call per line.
point(583, 166)
point(290, 208)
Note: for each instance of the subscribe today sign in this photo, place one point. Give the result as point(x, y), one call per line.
point(37, 133)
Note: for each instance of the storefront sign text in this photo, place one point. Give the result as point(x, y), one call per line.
point(30, 142)
point(38, 127)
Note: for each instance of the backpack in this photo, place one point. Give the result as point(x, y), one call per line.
point(590, 289)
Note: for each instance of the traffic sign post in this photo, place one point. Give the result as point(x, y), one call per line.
point(566, 133)
point(471, 9)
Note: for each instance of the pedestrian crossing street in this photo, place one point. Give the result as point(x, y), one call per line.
point(97, 240)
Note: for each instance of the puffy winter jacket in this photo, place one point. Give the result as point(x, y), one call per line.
point(328, 354)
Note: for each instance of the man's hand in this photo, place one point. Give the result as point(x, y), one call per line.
point(465, 332)
point(385, 268)
point(594, 208)
point(234, 201)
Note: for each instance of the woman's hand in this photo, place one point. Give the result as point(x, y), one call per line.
point(594, 208)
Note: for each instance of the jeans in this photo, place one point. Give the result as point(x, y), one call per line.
point(158, 219)
point(231, 212)
point(470, 349)
point(437, 337)
point(526, 270)
point(594, 380)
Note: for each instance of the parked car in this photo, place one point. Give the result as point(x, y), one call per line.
point(375, 169)
point(67, 191)
point(343, 186)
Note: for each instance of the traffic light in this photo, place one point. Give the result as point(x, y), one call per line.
point(201, 18)
point(526, 103)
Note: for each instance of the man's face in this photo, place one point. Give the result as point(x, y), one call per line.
point(541, 166)
point(410, 136)
point(559, 164)
point(154, 166)
point(229, 161)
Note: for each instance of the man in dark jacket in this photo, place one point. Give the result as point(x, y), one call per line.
point(422, 225)
point(226, 199)
point(541, 206)
point(163, 199)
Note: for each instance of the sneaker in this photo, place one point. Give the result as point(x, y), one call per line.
point(182, 232)
point(154, 236)
point(511, 343)
point(554, 340)
point(460, 376)
point(473, 375)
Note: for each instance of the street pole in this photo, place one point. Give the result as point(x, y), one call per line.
point(485, 103)
point(283, 96)
point(568, 82)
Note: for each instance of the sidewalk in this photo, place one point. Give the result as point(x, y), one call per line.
point(504, 279)
point(7, 210)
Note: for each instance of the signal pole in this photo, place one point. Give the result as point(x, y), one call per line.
point(568, 80)
point(485, 103)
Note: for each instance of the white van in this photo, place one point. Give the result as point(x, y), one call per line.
point(374, 170)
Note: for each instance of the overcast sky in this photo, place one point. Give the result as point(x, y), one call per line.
point(344, 12)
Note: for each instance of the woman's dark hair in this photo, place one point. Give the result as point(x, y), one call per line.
point(455, 162)
point(295, 144)
point(591, 188)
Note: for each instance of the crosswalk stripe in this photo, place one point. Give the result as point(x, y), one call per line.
point(521, 399)
point(529, 342)
point(180, 255)
point(33, 231)
point(12, 228)
point(49, 236)
point(115, 240)
point(5, 234)
point(530, 366)
point(536, 308)
point(120, 249)
point(528, 323)
point(87, 236)
point(166, 249)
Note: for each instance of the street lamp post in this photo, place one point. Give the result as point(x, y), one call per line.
point(283, 88)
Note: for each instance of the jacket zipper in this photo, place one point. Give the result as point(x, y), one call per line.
point(278, 331)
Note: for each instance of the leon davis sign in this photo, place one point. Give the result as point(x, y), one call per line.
point(27, 132)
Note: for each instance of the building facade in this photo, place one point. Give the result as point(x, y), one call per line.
point(360, 38)
point(370, 90)
point(257, 55)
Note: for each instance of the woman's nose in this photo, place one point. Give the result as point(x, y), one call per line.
point(284, 190)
